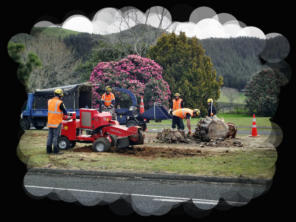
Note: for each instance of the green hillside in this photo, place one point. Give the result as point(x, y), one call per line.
point(68, 57)
point(53, 31)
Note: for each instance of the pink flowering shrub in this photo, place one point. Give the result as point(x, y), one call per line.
point(142, 76)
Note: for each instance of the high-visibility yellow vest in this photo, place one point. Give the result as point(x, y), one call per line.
point(107, 99)
point(177, 104)
point(55, 114)
point(182, 112)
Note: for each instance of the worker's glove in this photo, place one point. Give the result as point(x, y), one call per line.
point(171, 111)
point(212, 114)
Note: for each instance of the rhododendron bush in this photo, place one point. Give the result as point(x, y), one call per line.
point(142, 76)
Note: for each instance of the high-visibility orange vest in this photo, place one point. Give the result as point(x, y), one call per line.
point(55, 114)
point(182, 112)
point(107, 99)
point(177, 104)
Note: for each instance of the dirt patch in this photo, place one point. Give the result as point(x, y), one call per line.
point(149, 151)
point(153, 149)
point(155, 152)
point(83, 149)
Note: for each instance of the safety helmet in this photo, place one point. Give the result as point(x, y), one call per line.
point(59, 92)
point(177, 94)
point(108, 89)
point(197, 111)
point(210, 100)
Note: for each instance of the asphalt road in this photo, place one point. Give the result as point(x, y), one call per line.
point(145, 196)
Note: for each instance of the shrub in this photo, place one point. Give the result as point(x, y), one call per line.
point(142, 76)
point(262, 92)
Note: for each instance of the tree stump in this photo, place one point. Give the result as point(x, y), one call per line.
point(211, 128)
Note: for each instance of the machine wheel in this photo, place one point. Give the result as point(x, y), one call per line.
point(72, 144)
point(101, 145)
point(63, 143)
point(137, 139)
point(144, 126)
point(114, 140)
point(25, 124)
point(141, 137)
point(131, 123)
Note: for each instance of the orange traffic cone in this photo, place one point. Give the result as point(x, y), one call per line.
point(254, 127)
point(142, 105)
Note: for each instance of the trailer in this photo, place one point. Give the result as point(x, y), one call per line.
point(35, 113)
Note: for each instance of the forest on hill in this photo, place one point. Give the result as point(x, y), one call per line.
point(69, 57)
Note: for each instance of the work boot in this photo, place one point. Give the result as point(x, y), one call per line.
point(56, 150)
point(48, 149)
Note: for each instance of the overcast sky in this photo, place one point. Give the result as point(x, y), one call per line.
point(203, 23)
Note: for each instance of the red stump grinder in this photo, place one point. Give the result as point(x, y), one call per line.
point(100, 130)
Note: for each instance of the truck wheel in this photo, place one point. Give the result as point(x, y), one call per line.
point(63, 143)
point(38, 127)
point(39, 123)
point(25, 124)
point(101, 145)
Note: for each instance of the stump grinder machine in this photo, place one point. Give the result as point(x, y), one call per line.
point(99, 129)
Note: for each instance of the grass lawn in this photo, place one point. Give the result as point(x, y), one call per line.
point(239, 99)
point(248, 163)
point(241, 120)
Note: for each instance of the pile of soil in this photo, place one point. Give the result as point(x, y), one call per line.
point(172, 136)
point(228, 142)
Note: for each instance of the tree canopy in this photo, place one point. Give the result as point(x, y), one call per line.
point(262, 92)
point(26, 63)
point(142, 76)
point(187, 69)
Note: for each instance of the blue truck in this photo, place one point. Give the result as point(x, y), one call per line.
point(80, 96)
point(35, 110)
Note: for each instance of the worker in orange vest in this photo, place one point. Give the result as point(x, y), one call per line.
point(177, 103)
point(183, 113)
point(108, 101)
point(56, 109)
point(108, 98)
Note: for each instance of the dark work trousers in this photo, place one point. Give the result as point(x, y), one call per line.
point(179, 122)
point(52, 139)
